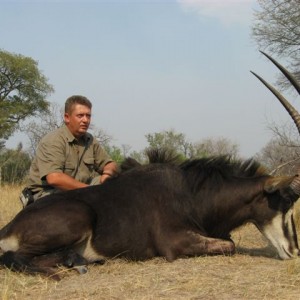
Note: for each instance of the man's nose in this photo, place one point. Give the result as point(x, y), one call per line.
point(85, 118)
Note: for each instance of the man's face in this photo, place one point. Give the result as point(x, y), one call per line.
point(78, 121)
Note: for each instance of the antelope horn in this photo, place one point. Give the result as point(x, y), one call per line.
point(295, 185)
point(292, 79)
point(290, 109)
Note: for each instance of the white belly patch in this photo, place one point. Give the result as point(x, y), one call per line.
point(9, 244)
point(88, 252)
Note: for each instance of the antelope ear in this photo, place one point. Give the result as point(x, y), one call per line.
point(274, 183)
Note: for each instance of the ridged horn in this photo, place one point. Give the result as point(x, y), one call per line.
point(295, 185)
point(292, 79)
point(290, 109)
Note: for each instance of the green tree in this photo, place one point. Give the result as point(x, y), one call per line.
point(171, 140)
point(2, 144)
point(115, 153)
point(14, 165)
point(139, 156)
point(276, 29)
point(23, 91)
point(178, 143)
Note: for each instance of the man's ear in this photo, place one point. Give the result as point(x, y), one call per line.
point(66, 118)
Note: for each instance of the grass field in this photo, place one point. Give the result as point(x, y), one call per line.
point(253, 273)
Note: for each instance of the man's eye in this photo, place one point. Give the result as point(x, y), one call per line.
point(80, 116)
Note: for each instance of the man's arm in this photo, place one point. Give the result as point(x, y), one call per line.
point(63, 181)
point(109, 170)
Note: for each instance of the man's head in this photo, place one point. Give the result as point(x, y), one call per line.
point(78, 114)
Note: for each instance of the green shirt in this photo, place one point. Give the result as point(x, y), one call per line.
point(59, 151)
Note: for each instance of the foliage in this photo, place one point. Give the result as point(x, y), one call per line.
point(103, 138)
point(276, 29)
point(139, 156)
point(280, 159)
point(14, 165)
point(44, 123)
point(178, 143)
point(214, 147)
point(281, 155)
point(23, 91)
point(2, 144)
point(170, 140)
point(115, 153)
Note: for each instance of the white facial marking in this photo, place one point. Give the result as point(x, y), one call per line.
point(275, 230)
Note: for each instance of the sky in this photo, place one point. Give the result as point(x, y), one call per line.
point(150, 66)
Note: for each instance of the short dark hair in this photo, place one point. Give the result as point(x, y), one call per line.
point(76, 99)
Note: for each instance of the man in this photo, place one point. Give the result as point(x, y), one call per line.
point(69, 157)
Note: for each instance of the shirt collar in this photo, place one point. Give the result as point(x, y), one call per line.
point(71, 138)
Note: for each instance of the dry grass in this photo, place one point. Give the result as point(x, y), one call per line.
point(253, 273)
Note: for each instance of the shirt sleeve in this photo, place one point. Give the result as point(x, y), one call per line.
point(101, 157)
point(50, 157)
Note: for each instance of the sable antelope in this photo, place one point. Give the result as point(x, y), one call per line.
point(160, 209)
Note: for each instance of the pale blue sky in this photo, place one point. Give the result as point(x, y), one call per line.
point(150, 66)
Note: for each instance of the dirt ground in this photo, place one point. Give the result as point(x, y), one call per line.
point(253, 273)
